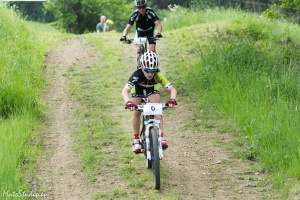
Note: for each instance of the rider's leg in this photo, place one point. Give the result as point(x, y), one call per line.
point(164, 90)
point(136, 127)
point(152, 47)
point(152, 41)
point(136, 117)
point(138, 53)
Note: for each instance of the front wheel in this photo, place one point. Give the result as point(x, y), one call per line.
point(154, 133)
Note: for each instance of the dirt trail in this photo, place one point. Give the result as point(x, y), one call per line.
point(202, 168)
point(200, 165)
point(59, 173)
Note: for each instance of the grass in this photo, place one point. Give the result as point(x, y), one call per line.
point(104, 138)
point(21, 80)
point(245, 67)
point(182, 17)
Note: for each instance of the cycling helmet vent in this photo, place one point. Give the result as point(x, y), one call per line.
point(150, 61)
point(140, 3)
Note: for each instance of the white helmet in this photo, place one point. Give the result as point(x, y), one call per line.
point(150, 61)
point(140, 3)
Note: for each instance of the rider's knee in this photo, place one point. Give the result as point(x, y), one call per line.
point(152, 48)
point(155, 98)
point(136, 114)
point(165, 90)
point(158, 117)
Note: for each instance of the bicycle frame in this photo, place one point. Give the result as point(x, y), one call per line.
point(148, 123)
point(142, 43)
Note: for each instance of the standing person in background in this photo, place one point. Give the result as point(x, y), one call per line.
point(146, 20)
point(101, 26)
point(109, 24)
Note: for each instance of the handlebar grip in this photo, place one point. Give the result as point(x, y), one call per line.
point(165, 106)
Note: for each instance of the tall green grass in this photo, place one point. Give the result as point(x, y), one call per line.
point(248, 70)
point(20, 67)
point(21, 80)
point(186, 17)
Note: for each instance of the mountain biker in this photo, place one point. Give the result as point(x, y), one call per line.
point(144, 83)
point(146, 20)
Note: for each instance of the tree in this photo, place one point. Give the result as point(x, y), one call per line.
point(162, 4)
point(294, 4)
point(185, 3)
point(78, 16)
point(32, 10)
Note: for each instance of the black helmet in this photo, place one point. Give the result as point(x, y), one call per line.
point(139, 3)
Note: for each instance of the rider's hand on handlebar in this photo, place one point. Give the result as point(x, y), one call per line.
point(158, 35)
point(130, 105)
point(123, 38)
point(172, 102)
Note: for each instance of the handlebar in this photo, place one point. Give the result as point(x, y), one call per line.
point(129, 41)
point(141, 106)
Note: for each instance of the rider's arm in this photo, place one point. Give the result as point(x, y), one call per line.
point(125, 92)
point(173, 92)
point(128, 86)
point(126, 30)
point(130, 23)
point(156, 21)
point(158, 26)
point(160, 78)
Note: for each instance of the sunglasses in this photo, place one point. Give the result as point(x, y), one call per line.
point(149, 71)
point(141, 7)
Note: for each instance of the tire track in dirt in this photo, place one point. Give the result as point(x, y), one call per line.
point(202, 168)
point(200, 165)
point(59, 172)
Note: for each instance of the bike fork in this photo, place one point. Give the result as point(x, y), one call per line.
point(148, 152)
point(147, 140)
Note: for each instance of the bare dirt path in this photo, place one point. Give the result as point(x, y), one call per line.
point(59, 172)
point(201, 167)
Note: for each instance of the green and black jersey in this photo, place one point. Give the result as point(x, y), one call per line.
point(141, 86)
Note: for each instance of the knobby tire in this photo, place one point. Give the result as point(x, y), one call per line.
point(155, 156)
